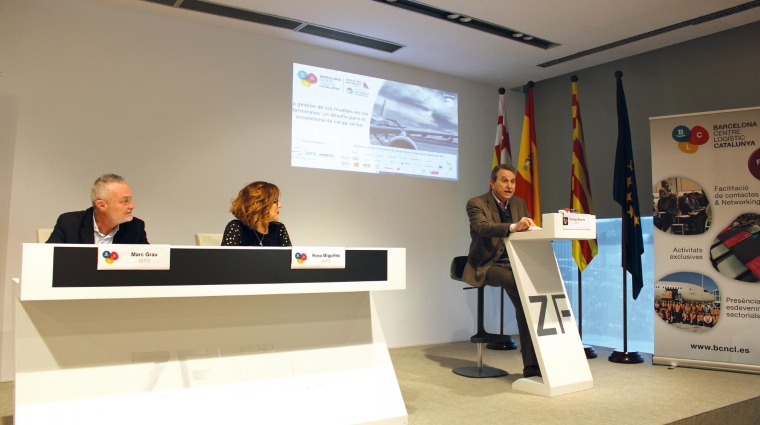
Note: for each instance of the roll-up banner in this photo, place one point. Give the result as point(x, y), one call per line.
point(706, 208)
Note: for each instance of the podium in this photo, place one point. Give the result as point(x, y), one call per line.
point(227, 335)
point(553, 328)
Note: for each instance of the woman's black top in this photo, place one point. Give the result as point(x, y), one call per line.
point(238, 234)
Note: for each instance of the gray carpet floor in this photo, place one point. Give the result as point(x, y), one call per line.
point(623, 394)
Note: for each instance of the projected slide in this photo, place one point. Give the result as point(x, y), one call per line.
point(351, 122)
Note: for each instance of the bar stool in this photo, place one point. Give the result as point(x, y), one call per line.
point(481, 337)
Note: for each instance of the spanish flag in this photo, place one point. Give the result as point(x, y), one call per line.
point(502, 152)
point(580, 184)
point(527, 163)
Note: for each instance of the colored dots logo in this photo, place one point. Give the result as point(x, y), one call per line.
point(350, 90)
point(689, 139)
point(110, 256)
point(300, 257)
point(307, 79)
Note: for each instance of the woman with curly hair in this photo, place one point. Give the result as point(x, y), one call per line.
point(256, 208)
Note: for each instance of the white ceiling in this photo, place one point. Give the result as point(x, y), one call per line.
point(436, 45)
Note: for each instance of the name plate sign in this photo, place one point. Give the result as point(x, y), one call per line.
point(133, 257)
point(576, 221)
point(318, 257)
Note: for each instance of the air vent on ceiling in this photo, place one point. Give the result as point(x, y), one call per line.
point(695, 21)
point(348, 37)
point(242, 14)
point(281, 22)
point(469, 22)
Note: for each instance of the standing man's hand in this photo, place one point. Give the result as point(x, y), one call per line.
point(524, 224)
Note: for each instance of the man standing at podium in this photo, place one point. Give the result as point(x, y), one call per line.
point(493, 216)
point(108, 221)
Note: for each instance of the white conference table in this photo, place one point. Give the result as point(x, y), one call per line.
point(205, 342)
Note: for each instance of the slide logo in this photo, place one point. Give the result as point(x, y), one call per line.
point(689, 140)
point(110, 256)
point(307, 79)
point(300, 257)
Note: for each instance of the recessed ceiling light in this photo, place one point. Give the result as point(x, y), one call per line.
point(465, 19)
point(517, 35)
point(453, 16)
point(528, 38)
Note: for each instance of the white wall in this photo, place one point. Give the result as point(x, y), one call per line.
point(8, 116)
point(189, 113)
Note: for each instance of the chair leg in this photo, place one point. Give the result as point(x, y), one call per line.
point(481, 303)
point(480, 357)
point(480, 371)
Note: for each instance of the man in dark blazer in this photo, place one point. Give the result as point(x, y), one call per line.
point(108, 221)
point(493, 216)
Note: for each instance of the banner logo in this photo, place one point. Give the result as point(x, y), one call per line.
point(307, 79)
point(110, 256)
point(688, 139)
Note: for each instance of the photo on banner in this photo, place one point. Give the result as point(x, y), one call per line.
point(681, 207)
point(735, 253)
point(687, 301)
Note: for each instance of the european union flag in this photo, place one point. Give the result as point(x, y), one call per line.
point(624, 192)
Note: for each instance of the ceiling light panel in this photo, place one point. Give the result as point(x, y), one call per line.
point(281, 22)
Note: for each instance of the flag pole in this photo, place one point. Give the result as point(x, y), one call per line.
point(580, 202)
point(509, 343)
point(589, 350)
point(625, 356)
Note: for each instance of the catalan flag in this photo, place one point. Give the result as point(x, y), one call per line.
point(502, 152)
point(624, 192)
point(580, 184)
point(527, 163)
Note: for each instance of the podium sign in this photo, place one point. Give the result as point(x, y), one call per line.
point(133, 257)
point(577, 221)
point(553, 329)
point(318, 257)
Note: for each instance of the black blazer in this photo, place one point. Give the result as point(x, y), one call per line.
point(76, 227)
point(238, 234)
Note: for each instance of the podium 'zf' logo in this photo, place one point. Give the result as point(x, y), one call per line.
point(541, 331)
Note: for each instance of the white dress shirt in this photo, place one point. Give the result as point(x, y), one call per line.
point(101, 239)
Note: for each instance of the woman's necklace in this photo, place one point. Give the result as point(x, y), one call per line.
point(261, 239)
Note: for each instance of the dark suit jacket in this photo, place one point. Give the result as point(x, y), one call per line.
point(487, 233)
point(76, 227)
